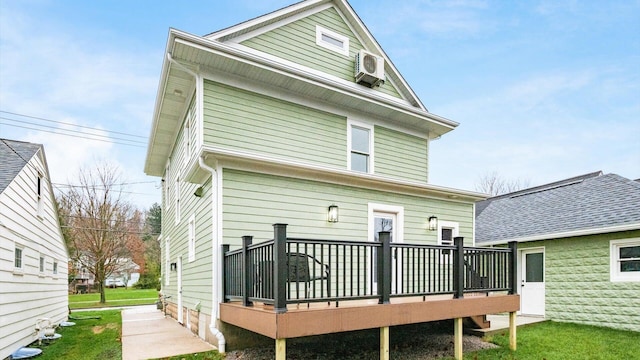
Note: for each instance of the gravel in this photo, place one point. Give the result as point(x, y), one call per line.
point(419, 341)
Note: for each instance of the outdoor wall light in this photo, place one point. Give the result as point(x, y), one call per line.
point(433, 223)
point(198, 192)
point(332, 216)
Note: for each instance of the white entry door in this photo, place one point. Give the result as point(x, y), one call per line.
point(387, 218)
point(532, 290)
point(179, 271)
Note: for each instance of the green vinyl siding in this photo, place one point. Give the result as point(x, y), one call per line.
point(253, 202)
point(296, 42)
point(240, 120)
point(578, 287)
point(196, 274)
point(400, 155)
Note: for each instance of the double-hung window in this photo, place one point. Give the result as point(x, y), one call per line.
point(360, 143)
point(17, 259)
point(625, 260)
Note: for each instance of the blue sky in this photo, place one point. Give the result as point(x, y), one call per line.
point(543, 90)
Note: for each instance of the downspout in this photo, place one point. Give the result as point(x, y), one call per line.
point(215, 258)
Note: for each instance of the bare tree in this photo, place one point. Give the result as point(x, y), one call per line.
point(492, 183)
point(97, 223)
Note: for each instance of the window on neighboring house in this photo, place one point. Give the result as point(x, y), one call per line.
point(192, 238)
point(41, 264)
point(625, 260)
point(55, 268)
point(447, 230)
point(360, 139)
point(39, 194)
point(17, 262)
point(332, 40)
point(177, 198)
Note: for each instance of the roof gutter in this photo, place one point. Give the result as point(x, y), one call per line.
point(566, 234)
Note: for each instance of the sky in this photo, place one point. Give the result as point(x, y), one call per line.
point(543, 90)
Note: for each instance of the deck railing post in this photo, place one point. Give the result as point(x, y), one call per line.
point(458, 268)
point(513, 267)
point(246, 270)
point(280, 267)
point(384, 267)
point(225, 272)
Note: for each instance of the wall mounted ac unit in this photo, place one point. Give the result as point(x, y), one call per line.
point(369, 69)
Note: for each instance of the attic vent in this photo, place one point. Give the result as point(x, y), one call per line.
point(369, 69)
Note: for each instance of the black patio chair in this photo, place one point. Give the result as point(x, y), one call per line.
point(301, 270)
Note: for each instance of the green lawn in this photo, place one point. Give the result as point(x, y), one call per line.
point(115, 297)
point(554, 340)
point(89, 339)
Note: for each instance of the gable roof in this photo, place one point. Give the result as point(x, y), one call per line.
point(188, 56)
point(588, 204)
point(14, 155)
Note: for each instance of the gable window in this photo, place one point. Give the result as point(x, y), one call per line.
point(192, 238)
point(360, 144)
point(41, 264)
point(17, 262)
point(55, 268)
point(625, 260)
point(332, 40)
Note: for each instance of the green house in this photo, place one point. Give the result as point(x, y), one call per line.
point(578, 247)
point(299, 117)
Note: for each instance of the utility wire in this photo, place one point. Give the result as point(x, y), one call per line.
point(76, 136)
point(66, 123)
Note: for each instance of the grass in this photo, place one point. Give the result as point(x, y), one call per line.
point(89, 339)
point(555, 340)
point(115, 297)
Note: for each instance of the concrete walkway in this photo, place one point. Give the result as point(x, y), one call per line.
point(146, 334)
point(500, 323)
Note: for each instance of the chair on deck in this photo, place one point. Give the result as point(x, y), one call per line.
point(304, 268)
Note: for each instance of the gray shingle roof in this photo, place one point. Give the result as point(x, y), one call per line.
point(585, 202)
point(14, 156)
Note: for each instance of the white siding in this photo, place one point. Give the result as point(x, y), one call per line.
point(27, 295)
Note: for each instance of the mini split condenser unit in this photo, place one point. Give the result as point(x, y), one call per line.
point(369, 69)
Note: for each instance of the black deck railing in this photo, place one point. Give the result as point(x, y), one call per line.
point(291, 270)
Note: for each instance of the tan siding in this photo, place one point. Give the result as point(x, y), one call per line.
point(296, 42)
point(253, 202)
point(240, 120)
point(399, 155)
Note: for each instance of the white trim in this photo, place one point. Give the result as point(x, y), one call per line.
point(370, 164)
point(322, 32)
point(390, 209)
point(455, 226)
point(566, 234)
point(614, 257)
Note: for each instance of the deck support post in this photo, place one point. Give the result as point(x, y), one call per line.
point(384, 343)
point(513, 344)
point(457, 338)
point(280, 268)
point(384, 267)
point(247, 282)
point(281, 349)
point(458, 268)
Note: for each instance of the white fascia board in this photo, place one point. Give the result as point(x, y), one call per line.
point(567, 234)
point(271, 165)
point(240, 55)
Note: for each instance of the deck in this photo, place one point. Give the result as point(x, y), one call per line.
point(288, 287)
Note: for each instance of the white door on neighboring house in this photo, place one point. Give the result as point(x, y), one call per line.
point(387, 218)
point(532, 290)
point(179, 289)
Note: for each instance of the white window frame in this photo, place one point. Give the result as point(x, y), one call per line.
point(42, 264)
point(54, 269)
point(19, 266)
point(615, 274)
point(192, 238)
point(320, 41)
point(369, 127)
point(448, 225)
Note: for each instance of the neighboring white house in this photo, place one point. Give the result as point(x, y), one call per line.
point(33, 255)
